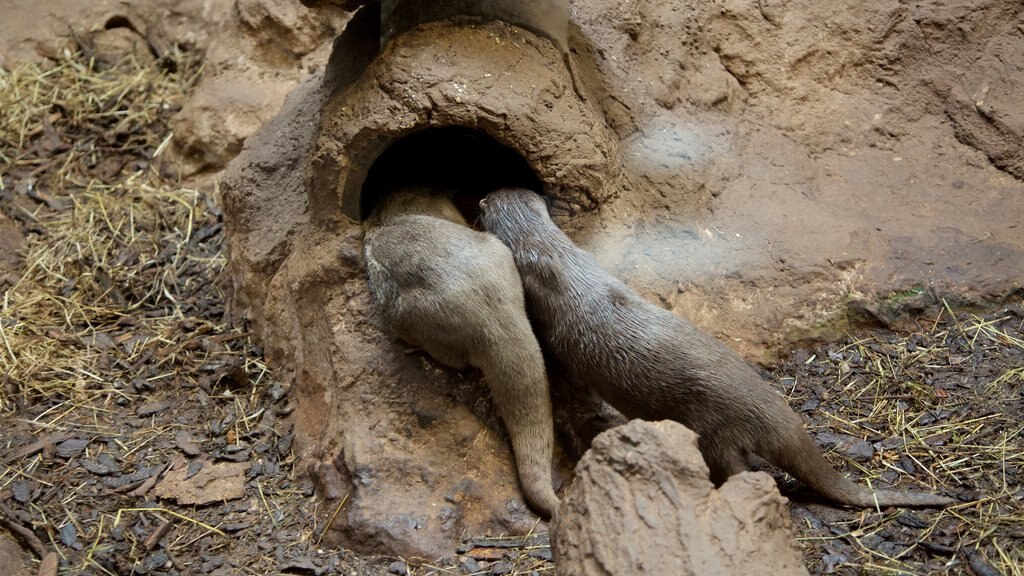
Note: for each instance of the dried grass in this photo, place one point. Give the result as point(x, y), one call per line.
point(117, 301)
point(113, 271)
point(948, 405)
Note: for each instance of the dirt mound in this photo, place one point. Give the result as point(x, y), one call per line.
point(372, 414)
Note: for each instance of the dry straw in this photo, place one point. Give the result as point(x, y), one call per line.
point(118, 291)
point(111, 274)
point(946, 403)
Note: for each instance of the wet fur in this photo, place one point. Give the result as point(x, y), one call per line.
point(651, 364)
point(455, 292)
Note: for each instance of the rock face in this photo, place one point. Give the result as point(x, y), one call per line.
point(252, 64)
point(641, 503)
point(799, 159)
point(16, 562)
point(985, 103)
point(501, 80)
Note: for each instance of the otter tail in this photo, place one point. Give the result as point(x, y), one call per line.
point(515, 374)
point(802, 458)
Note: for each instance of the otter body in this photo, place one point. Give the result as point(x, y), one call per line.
point(455, 292)
point(651, 364)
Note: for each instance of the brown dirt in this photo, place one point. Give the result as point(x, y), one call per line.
point(118, 366)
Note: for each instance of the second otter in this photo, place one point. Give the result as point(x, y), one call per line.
point(455, 292)
point(651, 364)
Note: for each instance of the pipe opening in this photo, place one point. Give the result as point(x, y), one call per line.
point(467, 161)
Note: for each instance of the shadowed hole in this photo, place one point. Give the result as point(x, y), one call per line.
point(464, 160)
point(118, 21)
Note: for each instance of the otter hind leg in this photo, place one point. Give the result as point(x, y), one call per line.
point(723, 460)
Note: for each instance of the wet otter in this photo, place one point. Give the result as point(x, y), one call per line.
point(455, 292)
point(649, 363)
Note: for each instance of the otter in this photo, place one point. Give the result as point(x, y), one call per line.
point(649, 363)
point(455, 293)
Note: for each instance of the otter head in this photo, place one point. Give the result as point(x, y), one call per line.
point(510, 213)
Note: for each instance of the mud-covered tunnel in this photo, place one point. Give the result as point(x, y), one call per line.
point(465, 161)
point(472, 106)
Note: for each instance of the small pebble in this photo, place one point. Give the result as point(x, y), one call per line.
point(73, 447)
point(502, 568)
point(541, 553)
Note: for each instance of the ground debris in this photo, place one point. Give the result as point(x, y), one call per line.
point(115, 352)
point(942, 411)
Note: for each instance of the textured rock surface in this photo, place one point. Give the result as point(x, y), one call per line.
point(15, 561)
point(986, 105)
point(499, 79)
point(789, 169)
point(796, 166)
point(641, 503)
point(264, 50)
point(823, 165)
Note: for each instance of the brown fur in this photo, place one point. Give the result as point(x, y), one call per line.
point(651, 364)
point(455, 292)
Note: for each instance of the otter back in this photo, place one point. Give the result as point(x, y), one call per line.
point(456, 293)
point(652, 364)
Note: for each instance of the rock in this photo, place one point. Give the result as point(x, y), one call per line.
point(119, 46)
point(259, 56)
point(642, 504)
point(211, 127)
point(784, 163)
point(15, 560)
point(412, 454)
point(985, 103)
point(528, 108)
point(211, 483)
point(282, 30)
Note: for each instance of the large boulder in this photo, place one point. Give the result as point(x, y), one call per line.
point(642, 503)
point(15, 560)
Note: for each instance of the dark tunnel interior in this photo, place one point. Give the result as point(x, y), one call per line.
point(464, 160)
